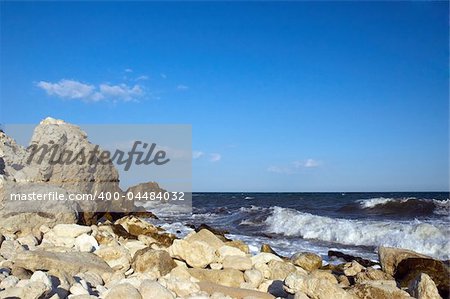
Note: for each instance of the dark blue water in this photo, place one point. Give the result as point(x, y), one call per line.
point(355, 223)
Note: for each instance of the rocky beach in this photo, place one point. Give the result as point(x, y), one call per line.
point(77, 252)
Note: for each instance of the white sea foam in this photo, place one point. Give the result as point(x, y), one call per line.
point(373, 202)
point(427, 238)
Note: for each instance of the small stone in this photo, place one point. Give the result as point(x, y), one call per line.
point(9, 282)
point(353, 268)
point(86, 243)
point(43, 277)
point(237, 262)
point(71, 230)
point(254, 277)
point(307, 260)
point(154, 290)
point(122, 291)
point(149, 260)
point(78, 289)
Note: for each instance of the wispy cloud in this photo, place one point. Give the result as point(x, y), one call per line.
point(141, 78)
point(197, 154)
point(128, 70)
point(72, 89)
point(214, 157)
point(182, 87)
point(211, 157)
point(164, 76)
point(294, 167)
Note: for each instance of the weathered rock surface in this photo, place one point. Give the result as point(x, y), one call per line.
point(150, 260)
point(390, 257)
point(212, 288)
point(423, 287)
point(225, 277)
point(378, 290)
point(68, 262)
point(306, 260)
point(314, 288)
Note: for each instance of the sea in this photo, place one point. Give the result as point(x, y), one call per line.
point(353, 223)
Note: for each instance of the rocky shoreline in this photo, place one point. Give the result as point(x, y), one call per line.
point(71, 251)
point(131, 258)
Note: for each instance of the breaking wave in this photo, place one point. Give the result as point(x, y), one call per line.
point(424, 237)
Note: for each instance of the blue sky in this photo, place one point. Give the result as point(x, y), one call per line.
point(294, 96)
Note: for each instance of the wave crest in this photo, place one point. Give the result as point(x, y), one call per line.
point(409, 205)
point(427, 238)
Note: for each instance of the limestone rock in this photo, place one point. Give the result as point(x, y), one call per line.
point(306, 260)
point(372, 274)
point(124, 290)
point(212, 288)
point(390, 257)
point(154, 290)
point(237, 262)
point(207, 237)
point(279, 270)
point(253, 277)
point(149, 260)
point(115, 255)
point(225, 277)
point(321, 274)
point(314, 288)
point(409, 268)
point(182, 287)
point(71, 230)
point(264, 258)
point(68, 262)
point(229, 251)
point(85, 243)
point(353, 268)
point(423, 287)
point(378, 290)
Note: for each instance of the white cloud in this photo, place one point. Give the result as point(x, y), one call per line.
point(214, 157)
point(71, 89)
point(121, 91)
point(164, 76)
point(197, 154)
point(182, 87)
point(128, 70)
point(142, 78)
point(311, 163)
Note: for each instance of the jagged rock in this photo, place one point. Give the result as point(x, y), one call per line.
point(372, 274)
point(409, 268)
point(378, 290)
point(124, 290)
point(237, 262)
point(267, 249)
point(351, 269)
point(10, 248)
point(390, 257)
point(115, 255)
point(423, 287)
point(197, 254)
point(350, 258)
point(226, 277)
point(279, 270)
point(67, 262)
point(9, 282)
point(206, 236)
point(306, 260)
point(156, 261)
point(313, 287)
point(154, 290)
